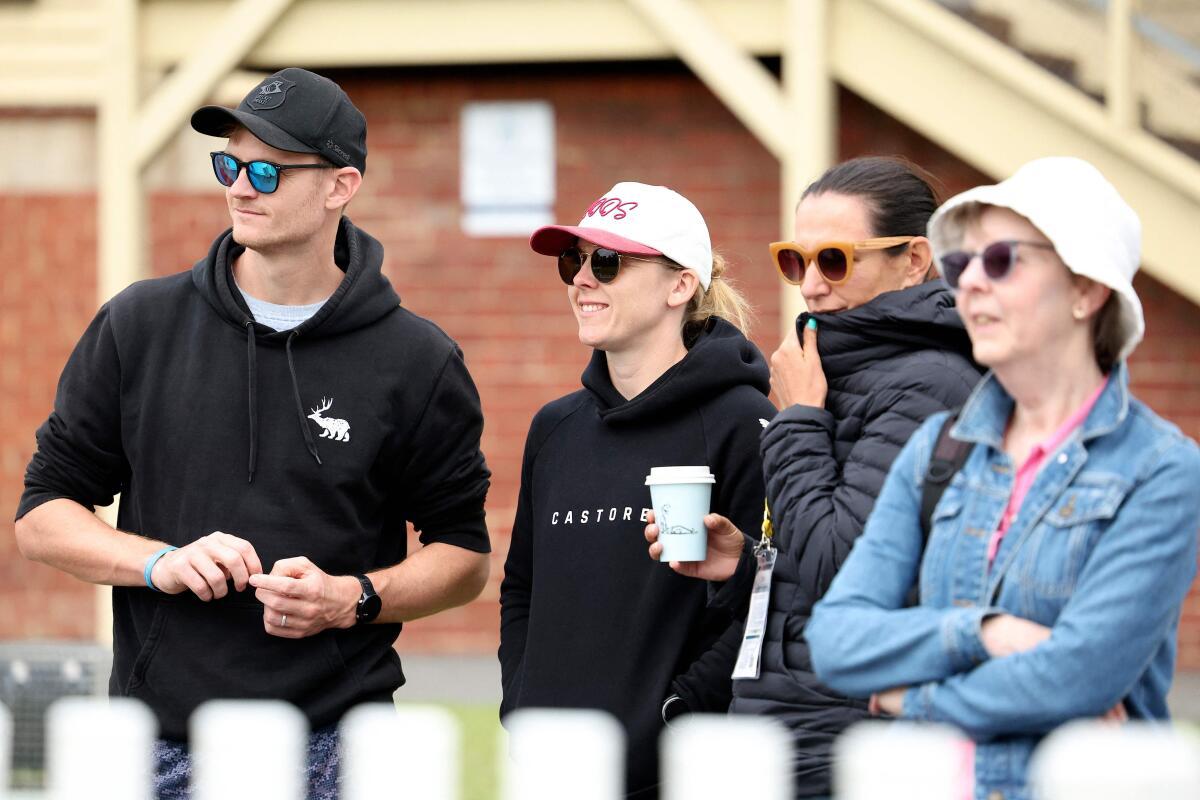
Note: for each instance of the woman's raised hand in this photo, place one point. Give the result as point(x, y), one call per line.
point(797, 377)
point(725, 545)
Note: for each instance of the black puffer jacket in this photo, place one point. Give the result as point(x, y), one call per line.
point(889, 364)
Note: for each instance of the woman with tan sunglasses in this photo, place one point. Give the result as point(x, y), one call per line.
point(880, 349)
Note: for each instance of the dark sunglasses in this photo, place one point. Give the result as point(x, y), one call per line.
point(606, 263)
point(997, 258)
point(264, 175)
point(834, 260)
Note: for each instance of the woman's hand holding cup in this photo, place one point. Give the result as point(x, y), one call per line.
point(725, 545)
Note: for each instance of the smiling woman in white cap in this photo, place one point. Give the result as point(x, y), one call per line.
point(587, 621)
point(1060, 553)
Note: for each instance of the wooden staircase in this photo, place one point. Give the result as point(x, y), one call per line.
point(1067, 37)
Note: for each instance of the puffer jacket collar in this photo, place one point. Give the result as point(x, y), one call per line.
point(894, 323)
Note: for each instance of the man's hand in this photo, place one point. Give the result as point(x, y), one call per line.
point(797, 377)
point(206, 566)
point(301, 600)
point(725, 544)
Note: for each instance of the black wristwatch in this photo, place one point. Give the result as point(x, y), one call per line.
point(369, 603)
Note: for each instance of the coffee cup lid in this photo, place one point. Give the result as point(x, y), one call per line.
point(663, 475)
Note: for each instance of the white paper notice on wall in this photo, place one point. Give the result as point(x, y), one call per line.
point(507, 182)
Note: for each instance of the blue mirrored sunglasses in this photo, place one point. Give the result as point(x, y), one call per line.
point(264, 175)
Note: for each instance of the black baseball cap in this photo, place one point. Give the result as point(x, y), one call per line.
point(298, 111)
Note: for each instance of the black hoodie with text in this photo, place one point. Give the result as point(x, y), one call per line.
point(321, 442)
point(587, 619)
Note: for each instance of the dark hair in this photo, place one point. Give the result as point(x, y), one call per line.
point(1108, 336)
point(899, 194)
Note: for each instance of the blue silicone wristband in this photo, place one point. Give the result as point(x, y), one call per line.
point(150, 562)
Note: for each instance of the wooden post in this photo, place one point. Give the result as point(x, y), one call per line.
point(1120, 96)
point(810, 121)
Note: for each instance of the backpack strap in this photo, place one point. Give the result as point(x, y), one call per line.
point(949, 455)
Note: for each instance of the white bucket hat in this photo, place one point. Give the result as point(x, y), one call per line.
point(1092, 228)
point(640, 220)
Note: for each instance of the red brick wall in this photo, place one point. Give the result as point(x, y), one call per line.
point(47, 298)
point(503, 304)
point(1165, 376)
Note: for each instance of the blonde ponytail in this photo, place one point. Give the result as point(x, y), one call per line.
point(721, 299)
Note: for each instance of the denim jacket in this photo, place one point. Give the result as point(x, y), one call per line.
point(1102, 550)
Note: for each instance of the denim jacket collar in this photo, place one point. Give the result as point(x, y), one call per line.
point(985, 415)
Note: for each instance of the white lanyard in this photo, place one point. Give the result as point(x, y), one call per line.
point(750, 653)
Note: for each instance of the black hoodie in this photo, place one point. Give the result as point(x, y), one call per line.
point(889, 364)
point(206, 421)
point(587, 619)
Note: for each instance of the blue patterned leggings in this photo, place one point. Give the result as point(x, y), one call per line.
point(173, 767)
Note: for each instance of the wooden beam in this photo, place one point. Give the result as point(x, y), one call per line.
point(742, 84)
point(120, 207)
point(810, 118)
point(1120, 97)
point(422, 32)
point(225, 45)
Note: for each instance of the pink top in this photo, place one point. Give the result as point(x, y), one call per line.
point(1025, 475)
point(1029, 470)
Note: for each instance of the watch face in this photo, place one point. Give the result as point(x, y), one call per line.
point(369, 607)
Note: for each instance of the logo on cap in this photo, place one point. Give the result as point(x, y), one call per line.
point(612, 205)
point(339, 152)
point(271, 94)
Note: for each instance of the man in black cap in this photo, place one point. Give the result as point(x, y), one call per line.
point(272, 420)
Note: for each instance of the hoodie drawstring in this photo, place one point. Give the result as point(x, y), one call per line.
point(308, 437)
point(252, 380)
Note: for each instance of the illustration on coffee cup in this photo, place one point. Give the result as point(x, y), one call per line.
point(665, 528)
point(680, 497)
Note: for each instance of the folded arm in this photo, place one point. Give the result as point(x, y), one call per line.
point(863, 639)
point(1124, 609)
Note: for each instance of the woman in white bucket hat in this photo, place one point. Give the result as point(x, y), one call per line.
point(586, 620)
point(1060, 553)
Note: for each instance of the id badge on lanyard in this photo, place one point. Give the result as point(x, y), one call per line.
point(749, 657)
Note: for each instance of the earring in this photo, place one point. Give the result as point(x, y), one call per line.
point(1078, 312)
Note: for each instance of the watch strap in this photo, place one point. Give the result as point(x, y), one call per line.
point(369, 602)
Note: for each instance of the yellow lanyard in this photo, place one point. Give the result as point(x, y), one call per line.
point(768, 530)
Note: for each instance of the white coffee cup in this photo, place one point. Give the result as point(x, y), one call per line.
point(680, 497)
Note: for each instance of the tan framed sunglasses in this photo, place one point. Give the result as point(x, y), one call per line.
point(834, 260)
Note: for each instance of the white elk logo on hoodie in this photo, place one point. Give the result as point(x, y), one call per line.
point(337, 429)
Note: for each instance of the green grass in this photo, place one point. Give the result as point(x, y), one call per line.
point(480, 727)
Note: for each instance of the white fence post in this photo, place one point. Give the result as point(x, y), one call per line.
point(248, 748)
point(1094, 761)
point(6, 740)
point(716, 757)
point(409, 752)
point(558, 754)
point(899, 761)
point(100, 748)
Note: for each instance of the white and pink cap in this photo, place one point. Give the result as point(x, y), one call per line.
point(640, 220)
